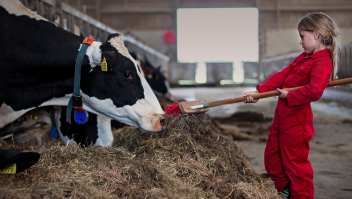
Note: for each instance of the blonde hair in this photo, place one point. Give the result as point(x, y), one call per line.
point(328, 31)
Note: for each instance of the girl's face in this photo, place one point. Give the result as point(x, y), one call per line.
point(309, 41)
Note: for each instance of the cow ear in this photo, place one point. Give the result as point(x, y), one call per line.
point(106, 46)
point(112, 36)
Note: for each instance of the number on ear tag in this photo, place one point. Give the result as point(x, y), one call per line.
point(104, 65)
point(81, 117)
point(53, 132)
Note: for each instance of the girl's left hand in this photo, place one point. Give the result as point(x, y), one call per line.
point(283, 94)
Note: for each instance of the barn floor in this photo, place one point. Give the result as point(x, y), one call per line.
point(331, 146)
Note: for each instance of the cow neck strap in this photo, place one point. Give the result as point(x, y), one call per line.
point(76, 99)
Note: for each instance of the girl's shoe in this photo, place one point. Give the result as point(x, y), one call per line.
point(286, 192)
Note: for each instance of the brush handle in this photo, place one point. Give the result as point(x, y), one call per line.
point(272, 93)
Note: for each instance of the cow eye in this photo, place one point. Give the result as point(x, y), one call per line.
point(128, 75)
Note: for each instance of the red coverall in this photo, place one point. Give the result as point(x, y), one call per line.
point(287, 148)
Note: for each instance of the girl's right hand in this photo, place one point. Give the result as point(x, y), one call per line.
point(249, 99)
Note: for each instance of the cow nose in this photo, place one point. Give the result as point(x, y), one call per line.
point(162, 120)
point(162, 123)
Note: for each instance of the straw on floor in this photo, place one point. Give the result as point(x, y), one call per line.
point(187, 160)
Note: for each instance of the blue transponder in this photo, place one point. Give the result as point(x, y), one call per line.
point(81, 117)
point(53, 132)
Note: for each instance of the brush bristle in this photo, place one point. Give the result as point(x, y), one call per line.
point(173, 109)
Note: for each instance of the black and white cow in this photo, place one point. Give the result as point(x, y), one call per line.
point(98, 130)
point(156, 79)
point(37, 62)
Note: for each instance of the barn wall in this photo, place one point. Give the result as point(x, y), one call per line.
point(277, 19)
point(284, 41)
point(154, 39)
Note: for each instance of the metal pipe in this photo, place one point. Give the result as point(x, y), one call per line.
point(128, 38)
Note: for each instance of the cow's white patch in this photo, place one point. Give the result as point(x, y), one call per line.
point(8, 115)
point(140, 69)
point(119, 44)
point(94, 54)
point(62, 101)
point(17, 8)
point(145, 113)
point(105, 137)
point(108, 110)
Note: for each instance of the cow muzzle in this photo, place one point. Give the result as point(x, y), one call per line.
point(162, 122)
point(158, 123)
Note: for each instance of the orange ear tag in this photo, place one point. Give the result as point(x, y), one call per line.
point(104, 65)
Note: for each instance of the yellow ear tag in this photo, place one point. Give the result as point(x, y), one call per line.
point(104, 65)
point(9, 169)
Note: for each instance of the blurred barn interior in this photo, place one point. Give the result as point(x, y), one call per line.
point(217, 49)
point(156, 24)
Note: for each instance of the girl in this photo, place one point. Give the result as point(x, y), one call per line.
point(287, 148)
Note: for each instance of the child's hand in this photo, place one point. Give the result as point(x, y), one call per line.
point(249, 99)
point(283, 94)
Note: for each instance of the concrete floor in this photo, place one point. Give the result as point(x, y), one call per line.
point(331, 146)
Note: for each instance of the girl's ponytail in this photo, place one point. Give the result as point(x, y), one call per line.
point(334, 57)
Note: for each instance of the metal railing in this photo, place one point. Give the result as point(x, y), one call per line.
point(271, 65)
point(79, 23)
point(345, 67)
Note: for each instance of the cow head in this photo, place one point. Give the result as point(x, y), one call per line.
point(156, 79)
point(121, 92)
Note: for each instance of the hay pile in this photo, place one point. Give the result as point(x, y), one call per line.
point(187, 160)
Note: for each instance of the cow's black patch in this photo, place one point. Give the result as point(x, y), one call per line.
point(86, 134)
point(116, 124)
point(36, 60)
